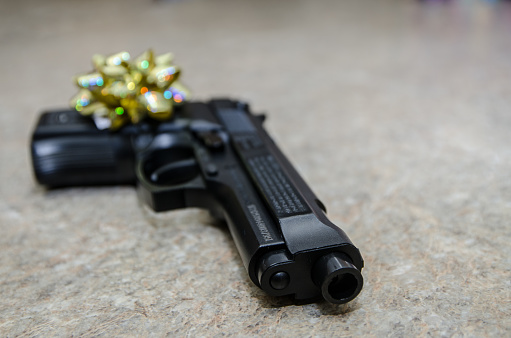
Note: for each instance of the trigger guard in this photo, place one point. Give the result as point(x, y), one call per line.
point(168, 173)
point(168, 160)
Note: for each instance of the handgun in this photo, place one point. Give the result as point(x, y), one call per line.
point(214, 155)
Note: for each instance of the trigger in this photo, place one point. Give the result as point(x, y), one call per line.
point(175, 172)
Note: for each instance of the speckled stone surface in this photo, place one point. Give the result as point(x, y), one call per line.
point(398, 114)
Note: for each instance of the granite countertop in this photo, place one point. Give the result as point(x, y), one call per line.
point(397, 113)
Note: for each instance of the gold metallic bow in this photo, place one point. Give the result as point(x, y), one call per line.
point(120, 91)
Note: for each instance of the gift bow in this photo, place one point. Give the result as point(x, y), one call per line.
point(121, 91)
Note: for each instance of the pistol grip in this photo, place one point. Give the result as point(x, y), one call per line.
point(68, 150)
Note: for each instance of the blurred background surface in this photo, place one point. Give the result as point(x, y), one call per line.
point(398, 114)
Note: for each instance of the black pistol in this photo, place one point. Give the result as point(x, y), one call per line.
point(214, 155)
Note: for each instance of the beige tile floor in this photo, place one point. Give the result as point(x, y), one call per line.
point(398, 113)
